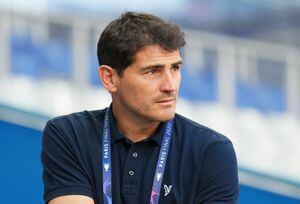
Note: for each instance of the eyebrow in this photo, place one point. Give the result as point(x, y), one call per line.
point(159, 66)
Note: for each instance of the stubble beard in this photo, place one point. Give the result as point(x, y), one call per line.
point(159, 114)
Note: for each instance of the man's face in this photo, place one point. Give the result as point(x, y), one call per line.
point(148, 89)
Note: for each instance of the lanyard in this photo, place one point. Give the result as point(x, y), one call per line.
point(160, 166)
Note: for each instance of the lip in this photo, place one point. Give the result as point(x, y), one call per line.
point(167, 101)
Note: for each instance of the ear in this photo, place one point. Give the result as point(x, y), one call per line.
point(109, 77)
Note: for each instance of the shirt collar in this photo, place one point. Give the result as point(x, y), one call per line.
point(116, 135)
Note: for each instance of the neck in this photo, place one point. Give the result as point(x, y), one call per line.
point(133, 127)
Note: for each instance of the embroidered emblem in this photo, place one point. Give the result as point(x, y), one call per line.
point(167, 189)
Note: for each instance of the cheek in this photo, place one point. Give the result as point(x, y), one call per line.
point(140, 92)
point(144, 94)
point(179, 80)
point(134, 92)
point(140, 98)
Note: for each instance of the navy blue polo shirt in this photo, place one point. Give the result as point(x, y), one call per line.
point(201, 166)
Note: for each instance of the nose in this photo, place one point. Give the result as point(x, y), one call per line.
point(168, 83)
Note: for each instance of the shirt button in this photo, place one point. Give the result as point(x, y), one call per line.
point(131, 173)
point(135, 154)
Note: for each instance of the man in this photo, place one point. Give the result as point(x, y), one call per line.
point(138, 150)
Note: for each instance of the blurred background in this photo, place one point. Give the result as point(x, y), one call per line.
point(241, 77)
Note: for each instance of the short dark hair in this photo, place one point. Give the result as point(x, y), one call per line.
point(125, 36)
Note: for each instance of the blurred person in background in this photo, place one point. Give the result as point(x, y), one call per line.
point(138, 150)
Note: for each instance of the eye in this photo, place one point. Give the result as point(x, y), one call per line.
point(152, 71)
point(176, 68)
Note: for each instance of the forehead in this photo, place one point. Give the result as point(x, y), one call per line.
point(155, 54)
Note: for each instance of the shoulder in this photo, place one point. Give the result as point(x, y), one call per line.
point(78, 117)
point(198, 140)
point(75, 122)
point(75, 126)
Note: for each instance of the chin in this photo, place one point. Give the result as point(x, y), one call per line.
point(166, 116)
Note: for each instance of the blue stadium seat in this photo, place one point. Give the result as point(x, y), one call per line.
point(261, 97)
point(47, 59)
point(57, 59)
point(26, 56)
point(197, 86)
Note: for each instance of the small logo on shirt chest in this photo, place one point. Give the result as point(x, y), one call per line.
point(167, 189)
